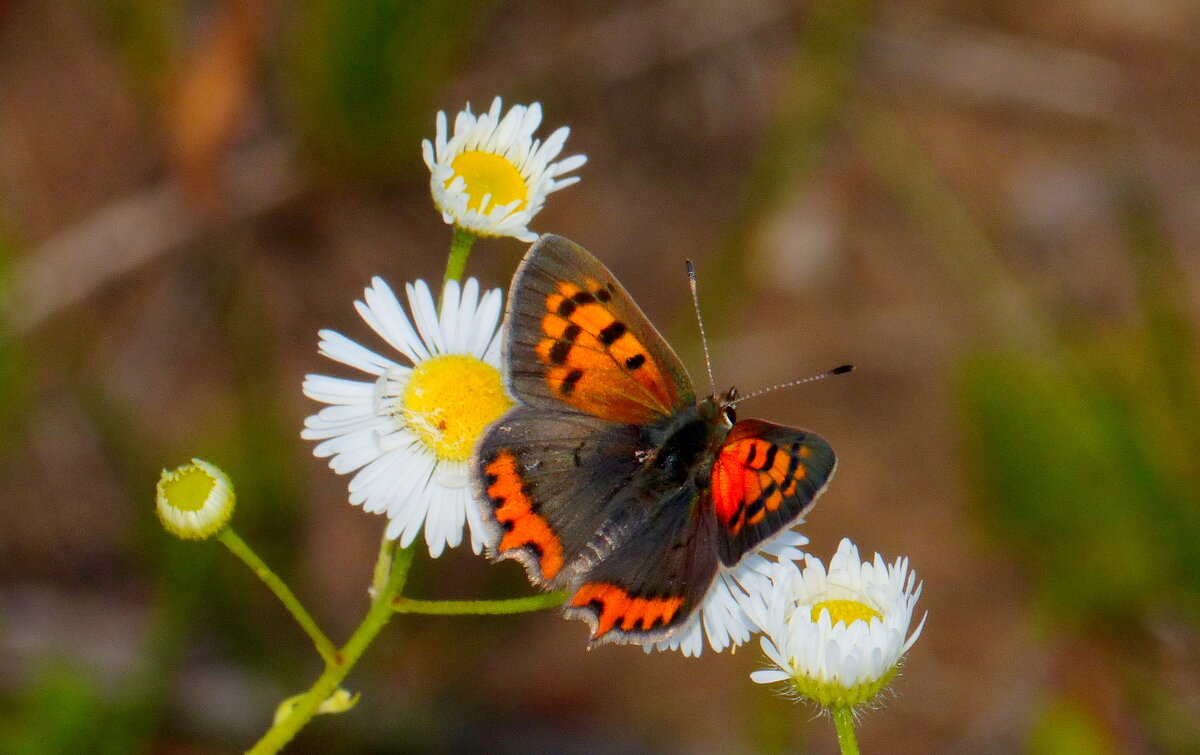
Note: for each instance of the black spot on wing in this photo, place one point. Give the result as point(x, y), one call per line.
point(750, 456)
point(754, 509)
point(559, 352)
point(794, 462)
point(767, 493)
point(568, 383)
point(769, 459)
point(612, 332)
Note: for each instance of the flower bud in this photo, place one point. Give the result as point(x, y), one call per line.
point(194, 501)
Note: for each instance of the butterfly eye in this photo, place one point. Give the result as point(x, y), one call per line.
point(731, 415)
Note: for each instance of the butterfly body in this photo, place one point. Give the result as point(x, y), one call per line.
point(608, 478)
point(680, 449)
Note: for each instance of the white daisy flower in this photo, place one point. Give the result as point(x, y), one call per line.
point(408, 433)
point(491, 177)
point(721, 618)
point(194, 501)
point(836, 637)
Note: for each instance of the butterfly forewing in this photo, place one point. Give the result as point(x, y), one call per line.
point(576, 337)
point(764, 478)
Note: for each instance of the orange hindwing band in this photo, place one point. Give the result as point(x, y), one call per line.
point(615, 606)
point(524, 527)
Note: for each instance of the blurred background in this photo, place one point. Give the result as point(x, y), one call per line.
point(991, 209)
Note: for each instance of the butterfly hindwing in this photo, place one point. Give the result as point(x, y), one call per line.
point(764, 478)
point(658, 575)
point(576, 337)
point(546, 481)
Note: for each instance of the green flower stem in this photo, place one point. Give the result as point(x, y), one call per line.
point(383, 566)
point(479, 607)
point(843, 719)
point(246, 554)
point(327, 683)
point(460, 249)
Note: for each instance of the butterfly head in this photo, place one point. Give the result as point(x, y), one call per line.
point(718, 409)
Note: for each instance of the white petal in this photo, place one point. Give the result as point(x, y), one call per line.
point(480, 531)
point(768, 676)
point(332, 390)
point(382, 311)
point(341, 349)
point(460, 340)
point(486, 318)
point(448, 315)
point(424, 312)
point(435, 515)
point(571, 163)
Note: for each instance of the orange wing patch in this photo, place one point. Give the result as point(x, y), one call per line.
point(515, 512)
point(593, 362)
point(616, 607)
point(753, 476)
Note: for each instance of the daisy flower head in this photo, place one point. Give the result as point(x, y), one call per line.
point(836, 636)
point(721, 617)
point(490, 177)
point(407, 432)
point(195, 501)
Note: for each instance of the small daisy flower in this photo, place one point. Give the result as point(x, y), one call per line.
point(836, 637)
point(195, 501)
point(491, 176)
point(721, 618)
point(408, 433)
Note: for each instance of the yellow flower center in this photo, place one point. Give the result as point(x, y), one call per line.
point(187, 488)
point(487, 173)
point(848, 611)
point(449, 400)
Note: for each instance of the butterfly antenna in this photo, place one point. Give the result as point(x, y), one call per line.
point(691, 271)
point(835, 371)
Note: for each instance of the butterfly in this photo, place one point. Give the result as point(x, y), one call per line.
point(607, 477)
